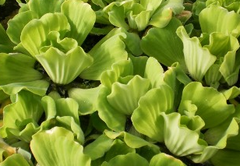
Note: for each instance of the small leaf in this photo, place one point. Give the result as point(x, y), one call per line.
point(165, 159)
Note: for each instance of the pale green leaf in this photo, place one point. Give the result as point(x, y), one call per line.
point(124, 98)
point(178, 138)
point(34, 34)
point(211, 105)
point(165, 159)
point(156, 44)
point(15, 160)
point(197, 58)
point(105, 53)
point(27, 108)
point(132, 159)
point(57, 147)
point(221, 20)
point(86, 99)
point(161, 19)
point(17, 23)
point(62, 67)
point(114, 119)
point(146, 117)
point(68, 107)
point(50, 6)
point(17, 68)
point(38, 87)
point(80, 17)
point(98, 147)
point(117, 17)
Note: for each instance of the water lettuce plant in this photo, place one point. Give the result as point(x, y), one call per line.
point(124, 82)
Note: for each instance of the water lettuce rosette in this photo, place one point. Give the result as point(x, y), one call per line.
point(123, 86)
point(192, 126)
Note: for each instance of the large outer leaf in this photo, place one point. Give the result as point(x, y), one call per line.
point(17, 68)
point(226, 157)
point(197, 58)
point(63, 68)
point(211, 105)
point(80, 17)
point(220, 21)
point(146, 117)
point(163, 44)
point(17, 23)
point(38, 87)
point(106, 52)
point(50, 6)
point(178, 138)
point(57, 147)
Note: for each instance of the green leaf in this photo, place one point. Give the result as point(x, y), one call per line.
point(38, 87)
point(50, 6)
point(67, 107)
point(62, 67)
point(86, 99)
point(106, 52)
point(98, 147)
point(80, 17)
point(34, 34)
point(151, 105)
point(57, 147)
point(226, 157)
point(161, 19)
point(165, 159)
point(197, 58)
point(17, 68)
point(132, 159)
point(156, 44)
point(124, 98)
point(16, 160)
point(117, 17)
point(220, 21)
point(178, 138)
point(26, 109)
point(5, 43)
point(154, 72)
point(217, 139)
point(209, 99)
point(17, 23)
point(114, 119)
